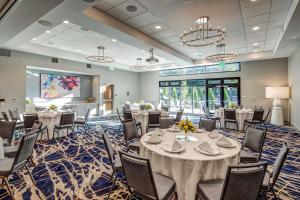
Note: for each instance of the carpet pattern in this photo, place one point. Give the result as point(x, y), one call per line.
point(77, 167)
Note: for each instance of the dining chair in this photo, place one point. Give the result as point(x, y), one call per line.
point(257, 118)
point(266, 117)
point(242, 182)
point(153, 120)
point(9, 166)
point(142, 182)
point(66, 123)
point(271, 177)
point(166, 122)
point(254, 141)
point(208, 115)
point(131, 135)
point(165, 108)
point(15, 116)
point(7, 130)
point(114, 160)
point(208, 124)
point(5, 117)
point(82, 122)
point(129, 118)
point(230, 117)
point(31, 120)
point(178, 116)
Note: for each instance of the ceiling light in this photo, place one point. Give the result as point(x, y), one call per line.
point(255, 50)
point(100, 57)
point(66, 22)
point(256, 44)
point(221, 55)
point(294, 36)
point(253, 0)
point(152, 59)
point(80, 50)
point(255, 28)
point(114, 40)
point(138, 66)
point(34, 39)
point(111, 68)
point(157, 27)
point(143, 51)
point(48, 32)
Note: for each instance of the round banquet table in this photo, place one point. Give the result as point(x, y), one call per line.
point(190, 167)
point(50, 119)
point(241, 115)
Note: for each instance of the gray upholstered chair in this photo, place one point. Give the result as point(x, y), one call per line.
point(131, 135)
point(142, 182)
point(257, 118)
point(271, 177)
point(153, 121)
point(15, 116)
point(254, 141)
point(31, 120)
point(178, 116)
point(166, 122)
point(8, 166)
point(127, 116)
point(208, 124)
point(66, 122)
point(242, 182)
point(82, 122)
point(114, 161)
point(7, 130)
point(230, 117)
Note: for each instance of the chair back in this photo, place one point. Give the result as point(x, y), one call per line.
point(109, 149)
point(165, 108)
point(208, 124)
point(36, 125)
point(258, 115)
point(265, 119)
point(87, 114)
point(7, 130)
point(256, 107)
point(166, 122)
point(67, 118)
point(130, 130)
point(29, 120)
point(25, 150)
point(178, 115)
point(127, 115)
point(4, 115)
point(229, 114)
point(139, 176)
point(14, 114)
point(154, 117)
point(243, 181)
point(254, 139)
point(119, 115)
point(279, 162)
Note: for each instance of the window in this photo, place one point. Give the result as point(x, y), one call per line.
point(221, 67)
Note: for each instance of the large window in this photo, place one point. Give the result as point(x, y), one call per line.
point(222, 67)
point(195, 95)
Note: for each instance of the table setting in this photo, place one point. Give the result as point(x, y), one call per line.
point(206, 157)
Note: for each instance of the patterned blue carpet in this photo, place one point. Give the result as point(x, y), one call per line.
point(77, 167)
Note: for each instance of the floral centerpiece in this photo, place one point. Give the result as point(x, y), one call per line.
point(232, 105)
point(148, 107)
point(52, 107)
point(186, 126)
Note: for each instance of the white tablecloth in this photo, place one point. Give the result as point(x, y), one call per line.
point(241, 115)
point(189, 168)
point(50, 119)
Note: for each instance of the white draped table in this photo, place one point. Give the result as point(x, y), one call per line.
point(241, 115)
point(50, 119)
point(190, 167)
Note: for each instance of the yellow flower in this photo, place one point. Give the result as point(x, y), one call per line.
point(186, 127)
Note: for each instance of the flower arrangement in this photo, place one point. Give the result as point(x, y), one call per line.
point(148, 106)
point(52, 107)
point(232, 105)
point(186, 126)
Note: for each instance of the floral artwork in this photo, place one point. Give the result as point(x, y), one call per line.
point(57, 86)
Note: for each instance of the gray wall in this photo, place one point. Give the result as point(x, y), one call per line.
point(255, 76)
point(33, 86)
point(294, 82)
point(13, 78)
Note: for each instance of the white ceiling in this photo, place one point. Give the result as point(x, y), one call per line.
point(93, 25)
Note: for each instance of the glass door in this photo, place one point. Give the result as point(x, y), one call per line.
point(213, 97)
point(174, 99)
point(231, 95)
point(199, 99)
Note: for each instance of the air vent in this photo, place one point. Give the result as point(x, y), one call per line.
point(45, 23)
point(6, 8)
point(5, 52)
point(131, 8)
point(88, 1)
point(89, 66)
point(54, 60)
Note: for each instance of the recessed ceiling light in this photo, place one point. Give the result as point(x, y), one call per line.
point(114, 40)
point(48, 32)
point(80, 50)
point(256, 44)
point(157, 27)
point(255, 28)
point(131, 8)
point(66, 22)
point(253, 0)
point(255, 50)
point(294, 36)
point(143, 51)
point(34, 39)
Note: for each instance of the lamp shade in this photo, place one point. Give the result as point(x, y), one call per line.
point(278, 92)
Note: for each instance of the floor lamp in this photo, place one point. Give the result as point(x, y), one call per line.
point(277, 93)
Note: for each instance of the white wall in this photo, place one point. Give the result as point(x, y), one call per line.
point(294, 82)
point(13, 78)
point(255, 76)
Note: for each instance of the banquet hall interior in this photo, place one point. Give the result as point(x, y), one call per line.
point(150, 99)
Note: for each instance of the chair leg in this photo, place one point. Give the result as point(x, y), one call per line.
point(112, 186)
point(31, 159)
point(112, 175)
point(8, 188)
point(274, 193)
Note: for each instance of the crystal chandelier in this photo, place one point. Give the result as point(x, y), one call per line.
point(203, 34)
point(139, 66)
point(152, 59)
point(221, 55)
point(100, 57)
